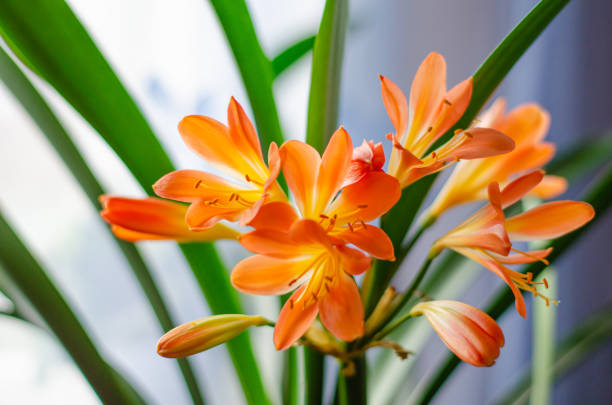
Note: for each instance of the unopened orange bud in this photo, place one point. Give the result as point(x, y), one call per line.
point(202, 334)
point(467, 331)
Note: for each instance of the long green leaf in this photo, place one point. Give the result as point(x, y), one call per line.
point(82, 76)
point(583, 156)
point(583, 342)
point(486, 79)
point(325, 79)
point(51, 38)
point(292, 54)
point(255, 68)
point(600, 197)
point(55, 133)
point(31, 281)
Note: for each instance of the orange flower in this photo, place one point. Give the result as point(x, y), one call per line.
point(467, 331)
point(151, 218)
point(304, 258)
point(202, 334)
point(527, 125)
point(234, 150)
point(315, 182)
point(431, 112)
point(367, 158)
point(487, 236)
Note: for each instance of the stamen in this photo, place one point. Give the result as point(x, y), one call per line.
point(250, 180)
point(350, 227)
point(545, 283)
point(433, 155)
point(457, 131)
point(363, 224)
point(328, 278)
point(429, 129)
point(546, 262)
point(291, 304)
point(466, 133)
point(198, 183)
point(362, 206)
point(446, 101)
point(212, 202)
point(323, 216)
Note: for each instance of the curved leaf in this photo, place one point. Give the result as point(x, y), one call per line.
point(55, 133)
point(21, 271)
point(292, 54)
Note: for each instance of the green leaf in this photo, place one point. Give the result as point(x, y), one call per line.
point(292, 54)
point(583, 342)
point(600, 197)
point(82, 76)
point(56, 134)
point(314, 366)
point(21, 271)
point(543, 357)
point(255, 68)
point(325, 79)
point(486, 79)
point(583, 156)
point(55, 43)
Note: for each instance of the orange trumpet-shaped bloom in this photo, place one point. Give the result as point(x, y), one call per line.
point(487, 236)
point(431, 112)
point(527, 125)
point(235, 151)
point(316, 183)
point(151, 218)
point(202, 334)
point(467, 331)
point(304, 259)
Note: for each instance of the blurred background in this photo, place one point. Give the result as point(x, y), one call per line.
point(174, 60)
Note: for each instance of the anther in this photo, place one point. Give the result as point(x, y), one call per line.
point(213, 202)
point(326, 287)
point(323, 216)
point(433, 155)
point(545, 284)
point(198, 183)
point(350, 227)
point(363, 224)
point(446, 101)
point(291, 304)
point(429, 129)
point(328, 278)
point(468, 134)
point(362, 206)
point(457, 131)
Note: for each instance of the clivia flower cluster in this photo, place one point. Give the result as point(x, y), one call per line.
point(313, 242)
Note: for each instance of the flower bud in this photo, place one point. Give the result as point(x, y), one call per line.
point(467, 331)
point(202, 334)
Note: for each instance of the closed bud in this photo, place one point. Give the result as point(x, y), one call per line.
point(467, 331)
point(202, 334)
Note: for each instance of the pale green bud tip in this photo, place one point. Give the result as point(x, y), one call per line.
point(202, 334)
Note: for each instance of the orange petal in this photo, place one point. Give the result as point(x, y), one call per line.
point(395, 103)
point(274, 164)
point(481, 143)
point(528, 257)
point(300, 163)
point(500, 271)
point(341, 310)
point(367, 199)
point(201, 215)
point(270, 243)
point(549, 221)
point(459, 98)
point(293, 321)
point(265, 275)
point(370, 238)
point(550, 187)
point(491, 115)
point(517, 189)
point(427, 91)
point(154, 219)
point(242, 132)
point(307, 232)
point(193, 185)
point(275, 215)
point(470, 333)
point(353, 261)
point(527, 123)
point(211, 140)
point(366, 158)
point(333, 168)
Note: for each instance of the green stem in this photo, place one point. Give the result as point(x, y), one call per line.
point(356, 384)
point(313, 363)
